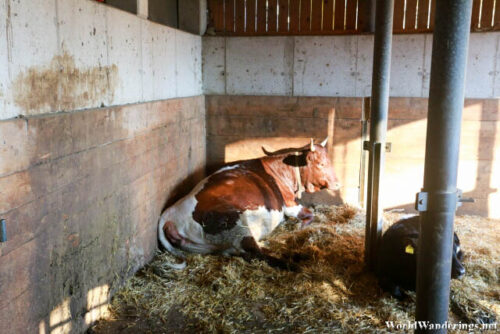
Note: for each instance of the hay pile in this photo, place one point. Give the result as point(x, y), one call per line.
point(332, 292)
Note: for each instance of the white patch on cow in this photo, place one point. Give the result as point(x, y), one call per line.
point(292, 211)
point(181, 214)
point(261, 221)
point(227, 168)
point(458, 249)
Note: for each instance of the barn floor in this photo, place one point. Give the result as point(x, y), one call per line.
point(332, 291)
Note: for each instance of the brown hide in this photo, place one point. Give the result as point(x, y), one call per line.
point(269, 182)
point(230, 192)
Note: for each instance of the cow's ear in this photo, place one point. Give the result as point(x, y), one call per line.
point(295, 160)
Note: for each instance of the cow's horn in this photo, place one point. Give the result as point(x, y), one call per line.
point(323, 143)
point(284, 150)
point(312, 145)
point(266, 152)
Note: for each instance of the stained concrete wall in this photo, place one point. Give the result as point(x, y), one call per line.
point(337, 65)
point(67, 55)
point(92, 162)
point(82, 193)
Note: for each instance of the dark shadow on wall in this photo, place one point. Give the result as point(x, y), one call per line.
point(237, 127)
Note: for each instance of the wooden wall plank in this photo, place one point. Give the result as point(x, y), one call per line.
point(240, 17)
point(305, 15)
point(364, 15)
point(432, 14)
point(351, 15)
point(496, 24)
point(261, 16)
point(294, 16)
point(423, 14)
point(283, 16)
point(229, 14)
point(216, 15)
point(411, 13)
point(339, 15)
point(475, 14)
point(398, 15)
point(328, 15)
point(272, 18)
point(250, 16)
point(487, 14)
point(316, 15)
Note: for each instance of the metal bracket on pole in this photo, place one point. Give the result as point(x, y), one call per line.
point(3, 231)
point(421, 201)
point(439, 200)
point(367, 147)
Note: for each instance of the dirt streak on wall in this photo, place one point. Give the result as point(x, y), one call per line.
point(237, 127)
point(62, 86)
point(82, 193)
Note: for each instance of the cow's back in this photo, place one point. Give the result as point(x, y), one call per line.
point(231, 192)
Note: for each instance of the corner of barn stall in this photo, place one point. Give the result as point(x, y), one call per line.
point(111, 110)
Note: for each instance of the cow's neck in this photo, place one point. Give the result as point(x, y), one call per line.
point(285, 177)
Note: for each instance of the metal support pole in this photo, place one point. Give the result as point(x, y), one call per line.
point(378, 124)
point(446, 100)
point(365, 115)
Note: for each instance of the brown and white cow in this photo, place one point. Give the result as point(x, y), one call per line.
point(232, 209)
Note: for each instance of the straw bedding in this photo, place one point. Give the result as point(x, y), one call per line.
point(332, 292)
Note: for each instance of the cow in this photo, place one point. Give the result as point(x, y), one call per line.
point(231, 210)
point(397, 257)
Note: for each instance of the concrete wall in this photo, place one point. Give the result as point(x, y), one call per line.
point(237, 127)
point(337, 65)
point(67, 55)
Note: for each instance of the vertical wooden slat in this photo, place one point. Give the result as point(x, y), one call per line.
point(328, 15)
point(272, 17)
point(240, 17)
point(496, 23)
point(217, 15)
point(316, 15)
point(398, 16)
point(283, 16)
point(305, 15)
point(229, 14)
point(411, 12)
point(432, 14)
point(339, 15)
point(364, 15)
point(261, 16)
point(294, 16)
point(475, 14)
point(423, 13)
point(351, 15)
point(250, 16)
point(486, 14)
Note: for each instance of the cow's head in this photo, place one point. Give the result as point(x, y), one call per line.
point(316, 170)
